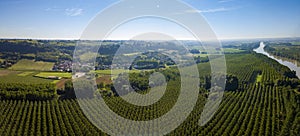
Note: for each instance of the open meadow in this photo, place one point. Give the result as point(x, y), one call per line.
point(32, 65)
point(9, 76)
point(55, 74)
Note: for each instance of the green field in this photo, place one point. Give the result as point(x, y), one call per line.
point(23, 74)
point(87, 56)
point(201, 55)
point(32, 65)
point(115, 72)
point(55, 81)
point(109, 72)
point(232, 50)
point(226, 50)
point(9, 76)
point(57, 74)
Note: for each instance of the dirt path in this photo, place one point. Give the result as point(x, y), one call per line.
point(105, 79)
point(61, 83)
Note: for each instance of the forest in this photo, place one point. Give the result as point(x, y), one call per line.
point(286, 50)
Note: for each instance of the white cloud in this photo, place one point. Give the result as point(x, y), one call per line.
point(223, 1)
point(210, 10)
point(53, 9)
point(73, 12)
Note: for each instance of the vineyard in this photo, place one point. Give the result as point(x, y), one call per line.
point(268, 107)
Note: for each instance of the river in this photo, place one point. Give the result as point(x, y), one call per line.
point(289, 64)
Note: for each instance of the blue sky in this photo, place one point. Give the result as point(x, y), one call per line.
point(230, 19)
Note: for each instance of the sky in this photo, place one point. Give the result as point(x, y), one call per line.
point(229, 19)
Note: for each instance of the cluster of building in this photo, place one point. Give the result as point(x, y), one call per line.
point(65, 66)
point(6, 64)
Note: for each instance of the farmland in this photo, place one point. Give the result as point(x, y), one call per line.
point(32, 65)
point(55, 74)
point(21, 77)
point(264, 108)
point(6, 72)
point(261, 97)
point(26, 73)
point(115, 71)
point(233, 50)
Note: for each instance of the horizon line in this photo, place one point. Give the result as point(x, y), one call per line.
point(183, 39)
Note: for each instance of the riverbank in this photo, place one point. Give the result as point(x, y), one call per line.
point(297, 63)
point(291, 65)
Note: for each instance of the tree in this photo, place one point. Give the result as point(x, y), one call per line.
point(232, 83)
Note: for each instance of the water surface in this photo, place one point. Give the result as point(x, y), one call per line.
point(289, 63)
